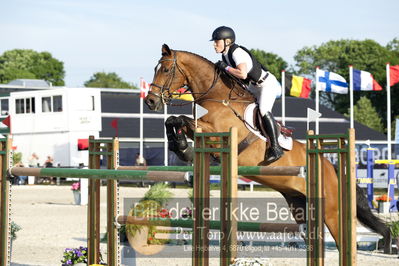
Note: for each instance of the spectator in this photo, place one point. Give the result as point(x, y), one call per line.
point(34, 160)
point(49, 164)
point(140, 161)
point(20, 180)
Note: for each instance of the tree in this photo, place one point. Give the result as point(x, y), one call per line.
point(29, 64)
point(272, 62)
point(107, 80)
point(365, 113)
point(365, 55)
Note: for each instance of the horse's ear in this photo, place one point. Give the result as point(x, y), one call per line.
point(166, 50)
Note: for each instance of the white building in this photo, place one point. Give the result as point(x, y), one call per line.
point(50, 123)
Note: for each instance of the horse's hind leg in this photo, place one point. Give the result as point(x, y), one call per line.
point(367, 218)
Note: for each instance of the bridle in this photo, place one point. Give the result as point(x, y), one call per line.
point(165, 95)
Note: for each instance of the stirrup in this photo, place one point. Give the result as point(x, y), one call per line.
point(273, 154)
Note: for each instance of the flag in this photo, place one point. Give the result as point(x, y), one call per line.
point(83, 144)
point(7, 122)
point(393, 75)
point(331, 82)
point(144, 88)
point(184, 94)
point(297, 86)
point(114, 124)
point(364, 81)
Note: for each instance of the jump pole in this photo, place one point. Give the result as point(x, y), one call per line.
point(242, 170)
point(214, 225)
point(316, 147)
point(5, 201)
point(205, 144)
point(369, 179)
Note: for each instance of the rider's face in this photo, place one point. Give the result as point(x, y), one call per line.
point(218, 45)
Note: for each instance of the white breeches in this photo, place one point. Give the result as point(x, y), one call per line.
point(266, 93)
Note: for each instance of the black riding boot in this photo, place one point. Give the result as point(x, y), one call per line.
point(275, 151)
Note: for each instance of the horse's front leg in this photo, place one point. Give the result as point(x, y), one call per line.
point(177, 141)
point(177, 131)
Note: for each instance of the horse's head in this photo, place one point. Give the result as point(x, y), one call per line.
point(168, 78)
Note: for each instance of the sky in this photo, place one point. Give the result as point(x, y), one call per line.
point(125, 37)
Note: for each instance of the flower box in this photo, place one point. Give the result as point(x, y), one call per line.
point(383, 206)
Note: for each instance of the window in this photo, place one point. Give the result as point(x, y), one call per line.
point(23, 106)
point(46, 104)
point(4, 106)
point(57, 103)
point(19, 106)
point(52, 104)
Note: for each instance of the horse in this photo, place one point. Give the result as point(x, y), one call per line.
point(226, 100)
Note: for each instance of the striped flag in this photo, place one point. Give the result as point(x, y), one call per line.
point(393, 75)
point(144, 88)
point(297, 86)
point(364, 81)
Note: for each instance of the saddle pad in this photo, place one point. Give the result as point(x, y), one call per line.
point(285, 142)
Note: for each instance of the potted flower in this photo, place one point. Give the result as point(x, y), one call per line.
point(74, 256)
point(383, 203)
point(76, 192)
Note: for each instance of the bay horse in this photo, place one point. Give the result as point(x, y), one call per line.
point(226, 101)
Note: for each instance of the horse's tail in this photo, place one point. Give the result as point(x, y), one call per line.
point(367, 218)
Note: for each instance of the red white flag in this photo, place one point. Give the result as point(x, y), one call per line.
point(393, 75)
point(144, 88)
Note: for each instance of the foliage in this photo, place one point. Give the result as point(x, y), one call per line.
point(365, 55)
point(17, 157)
point(151, 206)
point(272, 62)
point(393, 128)
point(14, 229)
point(394, 226)
point(250, 262)
point(393, 46)
point(75, 186)
point(159, 193)
point(29, 64)
point(74, 255)
point(190, 195)
point(383, 198)
point(365, 113)
point(107, 80)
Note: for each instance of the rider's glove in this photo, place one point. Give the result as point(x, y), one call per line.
point(221, 65)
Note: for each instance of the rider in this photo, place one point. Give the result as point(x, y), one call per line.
point(239, 62)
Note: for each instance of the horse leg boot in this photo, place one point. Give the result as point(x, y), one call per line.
point(275, 151)
point(177, 141)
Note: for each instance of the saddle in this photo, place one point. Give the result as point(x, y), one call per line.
point(258, 122)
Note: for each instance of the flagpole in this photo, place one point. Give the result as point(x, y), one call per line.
point(317, 100)
point(283, 96)
point(142, 93)
point(388, 111)
point(165, 149)
point(351, 95)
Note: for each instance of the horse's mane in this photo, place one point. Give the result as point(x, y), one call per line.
point(224, 76)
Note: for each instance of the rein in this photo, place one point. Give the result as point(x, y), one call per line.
point(165, 95)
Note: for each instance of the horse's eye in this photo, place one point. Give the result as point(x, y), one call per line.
point(166, 70)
